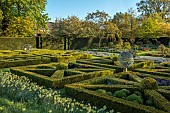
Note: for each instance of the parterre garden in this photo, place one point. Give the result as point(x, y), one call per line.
point(58, 81)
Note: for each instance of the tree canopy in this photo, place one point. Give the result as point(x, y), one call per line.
point(148, 7)
point(22, 17)
point(149, 29)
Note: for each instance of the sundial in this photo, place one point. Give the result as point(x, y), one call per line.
point(125, 60)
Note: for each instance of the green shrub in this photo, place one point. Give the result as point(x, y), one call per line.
point(126, 91)
point(138, 93)
point(120, 94)
point(134, 98)
point(149, 102)
point(101, 91)
point(149, 83)
point(109, 93)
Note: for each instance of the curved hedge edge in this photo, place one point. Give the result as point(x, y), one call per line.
point(165, 93)
point(160, 101)
point(117, 104)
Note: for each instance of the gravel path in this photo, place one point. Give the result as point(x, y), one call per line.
point(156, 59)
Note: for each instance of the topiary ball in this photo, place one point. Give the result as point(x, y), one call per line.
point(109, 93)
point(120, 94)
point(135, 98)
point(149, 83)
point(150, 102)
point(138, 93)
point(126, 91)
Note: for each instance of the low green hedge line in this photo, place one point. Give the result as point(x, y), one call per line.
point(109, 79)
point(46, 72)
point(140, 64)
point(142, 75)
point(62, 59)
point(160, 102)
point(71, 72)
point(143, 64)
point(81, 66)
point(166, 64)
point(117, 69)
point(14, 63)
point(129, 76)
point(108, 88)
point(40, 79)
point(165, 87)
point(79, 77)
point(88, 70)
point(53, 82)
point(154, 72)
point(101, 60)
point(111, 102)
point(96, 64)
point(165, 93)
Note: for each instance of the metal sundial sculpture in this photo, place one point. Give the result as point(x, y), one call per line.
point(125, 60)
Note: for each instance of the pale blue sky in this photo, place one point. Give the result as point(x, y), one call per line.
point(80, 8)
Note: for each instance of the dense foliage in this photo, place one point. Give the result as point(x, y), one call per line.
point(22, 17)
point(152, 22)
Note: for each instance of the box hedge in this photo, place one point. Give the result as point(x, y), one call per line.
point(99, 99)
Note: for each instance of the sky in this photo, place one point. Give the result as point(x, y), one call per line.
point(80, 8)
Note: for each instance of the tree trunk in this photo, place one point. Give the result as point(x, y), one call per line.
point(99, 42)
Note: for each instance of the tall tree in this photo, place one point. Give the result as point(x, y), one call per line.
point(112, 32)
point(98, 18)
point(88, 29)
point(1, 18)
point(149, 29)
point(32, 10)
point(148, 7)
point(127, 23)
point(70, 26)
point(165, 28)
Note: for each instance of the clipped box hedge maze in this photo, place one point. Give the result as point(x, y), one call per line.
point(13, 62)
point(127, 92)
point(113, 64)
point(101, 81)
point(56, 75)
point(15, 58)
